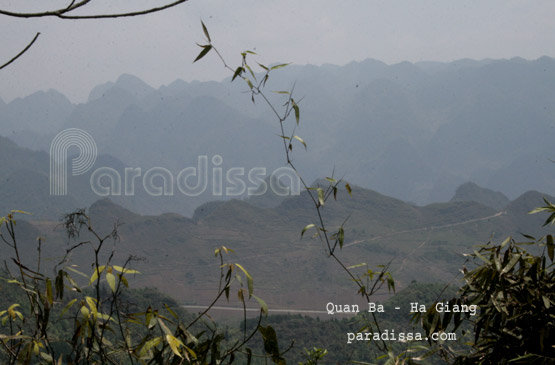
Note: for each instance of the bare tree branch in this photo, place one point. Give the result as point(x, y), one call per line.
point(21, 53)
point(63, 13)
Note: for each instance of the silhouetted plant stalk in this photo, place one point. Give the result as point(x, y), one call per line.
point(368, 283)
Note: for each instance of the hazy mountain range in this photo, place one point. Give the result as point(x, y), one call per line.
point(176, 253)
point(413, 131)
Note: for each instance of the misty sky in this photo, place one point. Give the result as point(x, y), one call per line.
point(74, 56)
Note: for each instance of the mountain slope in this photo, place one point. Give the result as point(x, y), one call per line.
point(422, 243)
point(471, 192)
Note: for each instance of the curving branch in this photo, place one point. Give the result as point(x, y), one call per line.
point(20, 53)
point(65, 13)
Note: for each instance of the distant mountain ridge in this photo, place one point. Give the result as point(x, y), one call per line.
point(425, 243)
point(471, 192)
point(414, 131)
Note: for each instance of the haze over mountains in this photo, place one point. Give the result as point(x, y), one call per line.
point(408, 137)
point(412, 131)
point(177, 253)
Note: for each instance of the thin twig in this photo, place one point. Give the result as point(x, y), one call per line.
point(20, 53)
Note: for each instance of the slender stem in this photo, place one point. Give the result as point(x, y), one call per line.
point(63, 13)
point(21, 53)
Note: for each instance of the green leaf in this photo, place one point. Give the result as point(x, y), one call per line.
point(300, 140)
point(77, 271)
point(190, 351)
point(270, 343)
point(357, 265)
point(72, 282)
point(96, 273)
point(170, 311)
point(174, 344)
point(262, 66)
point(306, 228)
point(279, 66)
point(250, 70)
point(84, 311)
point(149, 345)
point(111, 279)
point(21, 212)
point(550, 247)
point(504, 243)
point(124, 270)
point(123, 279)
point(546, 302)
point(341, 236)
point(481, 257)
point(68, 306)
point(349, 190)
point(237, 72)
point(92, 305)
point(250, 281)
point(297, 111)
point(550, 220)
point(205, 50)
point(320, 196)
point(163, 326)
point(262, 303)
point(47, 357)
point(511, 264)
point(205, 31)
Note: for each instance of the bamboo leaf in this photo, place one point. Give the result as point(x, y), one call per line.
point(96, 274)
point(341, 236)
point(68, 306)
point(296, 110)
point(124, 270)
point(237, 72)
point(300, 140)
point(550, 247)
point(92, 305)
point(111, 279)
point(262, 303)
point(279, 66)
point(306, 228)
point(205, 31)
point(511, 264)
point(349, 190)
point(320, 196)
point(174, 344)
point(205, 50)
point(250, 281)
